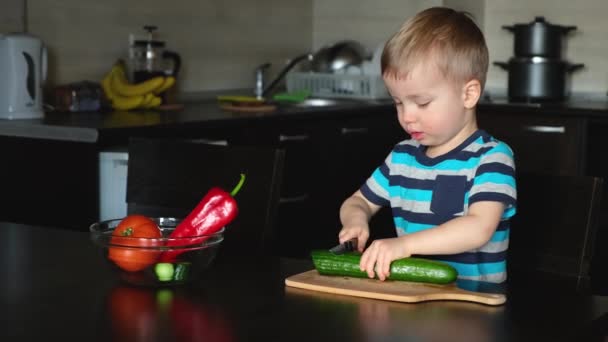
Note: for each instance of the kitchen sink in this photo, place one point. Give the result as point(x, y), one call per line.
point(319, 102)
point(314, 102)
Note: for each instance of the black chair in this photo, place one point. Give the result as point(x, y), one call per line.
point(169, 177)
point(555, 226)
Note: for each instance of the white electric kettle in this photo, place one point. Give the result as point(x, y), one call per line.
point(23, 66)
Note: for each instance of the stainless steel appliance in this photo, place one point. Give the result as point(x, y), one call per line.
point(23, 66)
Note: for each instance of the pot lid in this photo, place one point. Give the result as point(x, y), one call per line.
point(539, 21)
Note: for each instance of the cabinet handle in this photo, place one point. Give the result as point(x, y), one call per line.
point(293, 199)
point(220, 142)
point(357, 130)
point(297, 137)
point(545, 129)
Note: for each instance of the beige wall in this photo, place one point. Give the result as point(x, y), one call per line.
point(221, 41)
point(373, 22)
point(12, 16)
point(369, 22)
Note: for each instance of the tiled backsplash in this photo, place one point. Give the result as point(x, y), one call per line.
point(221, 42)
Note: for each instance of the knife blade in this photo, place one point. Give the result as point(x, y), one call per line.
point(346, 246)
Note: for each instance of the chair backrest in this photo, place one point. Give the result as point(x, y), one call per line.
point(169, 177)
point(555, 225)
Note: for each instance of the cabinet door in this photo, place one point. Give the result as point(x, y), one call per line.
point(362, 144)
point(300, 227)
point(49, 183)
point(541, 143)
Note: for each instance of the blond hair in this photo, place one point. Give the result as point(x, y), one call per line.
point(449, 38)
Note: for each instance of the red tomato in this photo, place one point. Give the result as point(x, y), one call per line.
point(134, 259)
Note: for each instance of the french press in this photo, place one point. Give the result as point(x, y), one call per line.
point(149, 58)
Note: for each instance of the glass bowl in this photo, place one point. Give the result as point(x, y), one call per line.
point(155, 261)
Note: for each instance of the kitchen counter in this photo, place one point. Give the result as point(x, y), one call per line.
point(89, 127)
point(591, 108)
point(53, 163)
point(93, 127)
point(58, 288)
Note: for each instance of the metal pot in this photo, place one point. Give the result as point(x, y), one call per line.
point(538, 79)
point(338, 56)
point(538, 38)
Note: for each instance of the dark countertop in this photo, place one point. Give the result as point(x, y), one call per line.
point(90, 127)
point(574, 107)
point(56, 287)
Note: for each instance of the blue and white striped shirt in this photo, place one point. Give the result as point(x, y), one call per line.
point(424, 192)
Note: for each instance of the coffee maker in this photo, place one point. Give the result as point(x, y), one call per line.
point(23, 66)
point(148, 58)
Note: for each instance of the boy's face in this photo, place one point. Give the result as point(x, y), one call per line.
point(431, 108)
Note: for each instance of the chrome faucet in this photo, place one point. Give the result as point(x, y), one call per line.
point(261, 91)
point(259, 80)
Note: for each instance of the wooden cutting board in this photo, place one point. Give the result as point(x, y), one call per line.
point(400, 291)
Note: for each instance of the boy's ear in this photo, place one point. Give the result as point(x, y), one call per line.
point(471, 92)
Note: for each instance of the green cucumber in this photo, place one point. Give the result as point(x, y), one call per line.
point(406, 269)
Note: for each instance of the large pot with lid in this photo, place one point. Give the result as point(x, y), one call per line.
point(538, 38)
point(536, 72)
point(538, 79)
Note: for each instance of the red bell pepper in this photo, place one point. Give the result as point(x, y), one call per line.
point(217, 209)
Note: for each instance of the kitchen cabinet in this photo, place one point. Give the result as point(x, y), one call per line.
point(329, 154)
point(326, 160)
point(48, 182)
point(597, 165)
point(361, 145)
point(565, 143)
point(299, 222)
point(541, 143)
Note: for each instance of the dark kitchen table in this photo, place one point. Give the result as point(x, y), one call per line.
point(55, 287)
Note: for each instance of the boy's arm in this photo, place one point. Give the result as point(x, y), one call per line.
point(458, 235)
point(355, 213)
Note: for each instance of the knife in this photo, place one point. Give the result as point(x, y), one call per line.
point(346, 246)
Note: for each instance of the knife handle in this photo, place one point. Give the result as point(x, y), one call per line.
point(351, 245)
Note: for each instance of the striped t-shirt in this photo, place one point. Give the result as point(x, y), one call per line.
point(424, 192)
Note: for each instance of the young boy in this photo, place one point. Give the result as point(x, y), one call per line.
point(451, 187)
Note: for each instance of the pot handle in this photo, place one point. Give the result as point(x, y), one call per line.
point(503, 65)
point(574, 67)
point(510, 28)
point(567, 29)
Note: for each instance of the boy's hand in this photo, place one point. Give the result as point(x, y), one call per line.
point(355, 214)
point(376, 260)
point(359, 231)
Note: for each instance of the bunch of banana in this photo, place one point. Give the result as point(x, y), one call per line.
point(125, 95)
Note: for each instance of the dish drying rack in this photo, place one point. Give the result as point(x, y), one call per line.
point(369, 87)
